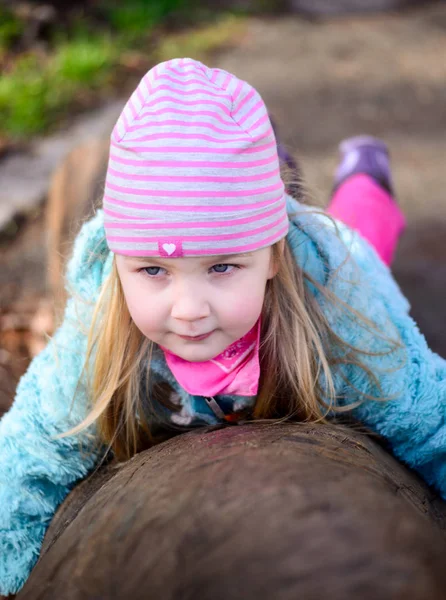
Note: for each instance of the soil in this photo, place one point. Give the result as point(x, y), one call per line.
point(323, 81)
point(382, 75)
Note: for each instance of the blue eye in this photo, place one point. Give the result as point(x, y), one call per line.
point(152, 271)
point(223, 267)
point(220, 268)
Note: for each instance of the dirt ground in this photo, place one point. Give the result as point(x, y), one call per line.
point(323, 81)
point(383, 75)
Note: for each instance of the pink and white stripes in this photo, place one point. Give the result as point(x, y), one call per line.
point(193, 167)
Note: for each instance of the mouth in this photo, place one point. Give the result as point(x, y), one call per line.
point(196, 338)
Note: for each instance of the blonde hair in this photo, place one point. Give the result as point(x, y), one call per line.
point(299, 355)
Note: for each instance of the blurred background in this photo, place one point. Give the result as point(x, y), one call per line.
point(327, 69)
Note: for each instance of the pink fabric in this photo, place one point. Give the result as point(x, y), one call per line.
point(193, 167)
point(366, 207)
point(234, 371)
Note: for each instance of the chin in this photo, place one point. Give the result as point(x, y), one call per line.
point(198, 356)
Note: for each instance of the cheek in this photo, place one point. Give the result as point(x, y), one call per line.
point(142, 318)
point(245, 304)
point(142, 308)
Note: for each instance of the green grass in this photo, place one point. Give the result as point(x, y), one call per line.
point(37, 90)
point(135, 18)
point(10, 29)
point(24, 99)
point(84, 61)
point(40, 88)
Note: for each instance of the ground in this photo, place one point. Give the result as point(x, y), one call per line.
point(379, 74)
point(323, 81)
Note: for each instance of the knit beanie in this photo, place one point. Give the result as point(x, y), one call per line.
point(193, 167)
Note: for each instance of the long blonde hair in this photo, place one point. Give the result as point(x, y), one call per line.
point(299, 355)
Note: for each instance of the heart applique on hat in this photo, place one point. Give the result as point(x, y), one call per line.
point(173, 248)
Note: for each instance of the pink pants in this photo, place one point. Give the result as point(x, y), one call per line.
point(366, 207)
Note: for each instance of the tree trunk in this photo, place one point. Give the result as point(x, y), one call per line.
point(271, 511)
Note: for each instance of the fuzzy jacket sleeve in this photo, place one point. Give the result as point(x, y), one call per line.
point(411, 413)
point(37, 471)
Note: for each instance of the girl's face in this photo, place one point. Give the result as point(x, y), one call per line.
point(196, 307)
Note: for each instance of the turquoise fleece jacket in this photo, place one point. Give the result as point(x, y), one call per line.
point(37, 472)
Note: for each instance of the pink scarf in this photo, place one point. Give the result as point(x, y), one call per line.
point(235, 371)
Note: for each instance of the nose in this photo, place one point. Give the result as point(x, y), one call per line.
point(189, 303)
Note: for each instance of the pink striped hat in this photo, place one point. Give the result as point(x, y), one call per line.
point(193, 167)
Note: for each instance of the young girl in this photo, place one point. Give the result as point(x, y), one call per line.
point(214, 296)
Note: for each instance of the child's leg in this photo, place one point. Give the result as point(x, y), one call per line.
point(363, 197)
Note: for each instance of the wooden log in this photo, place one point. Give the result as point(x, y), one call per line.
point(73, 196)
point(271, 511)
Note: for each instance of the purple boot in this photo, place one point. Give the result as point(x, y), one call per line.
point(366, 155)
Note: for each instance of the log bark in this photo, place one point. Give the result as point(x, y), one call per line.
point(73, 197)
point(279, 511)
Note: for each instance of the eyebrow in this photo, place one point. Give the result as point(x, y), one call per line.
point(211, 258)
